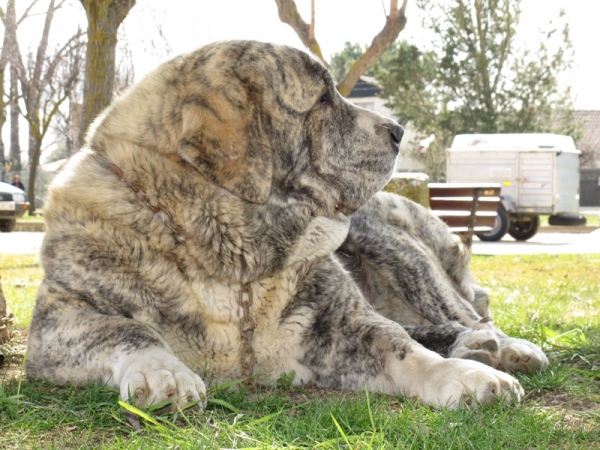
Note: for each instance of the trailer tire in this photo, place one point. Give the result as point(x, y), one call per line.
point(500, 227)
point(571, 220)
point(523, 230)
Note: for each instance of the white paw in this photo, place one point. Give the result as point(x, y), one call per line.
point(491, 347)
point(453, 383)
point(157, 376)
point(519, 355)
point(478, 345)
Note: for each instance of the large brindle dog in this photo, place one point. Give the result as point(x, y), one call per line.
point(222, 220)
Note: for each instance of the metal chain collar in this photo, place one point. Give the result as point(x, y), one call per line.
point(247, 326)
point(141, 194)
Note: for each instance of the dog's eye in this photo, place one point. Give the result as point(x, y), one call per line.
point(325, 99)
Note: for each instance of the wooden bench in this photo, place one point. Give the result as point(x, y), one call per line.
point(467, 208)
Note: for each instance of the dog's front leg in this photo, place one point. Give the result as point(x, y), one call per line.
point(71, 344)
point(347, 345)
point(378, 355)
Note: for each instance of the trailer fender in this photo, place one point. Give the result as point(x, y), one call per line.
point(508, 204)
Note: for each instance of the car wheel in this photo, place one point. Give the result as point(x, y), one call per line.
point(500, 227)
point(524, 229)
point(7, 225)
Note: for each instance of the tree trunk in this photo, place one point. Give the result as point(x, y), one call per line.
point(15, 147)
point(73, 127)
point(2, 122)
point(34, 162)
point(104, 18)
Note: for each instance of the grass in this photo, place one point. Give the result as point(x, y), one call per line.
point(21, 276)
point(27, 218)
point(593, 220)
point(552, 300)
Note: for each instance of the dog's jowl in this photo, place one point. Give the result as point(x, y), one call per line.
point(222, 221)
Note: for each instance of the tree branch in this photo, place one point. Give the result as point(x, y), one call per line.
point(26, 13)
point(394, 24)
point(288, 13)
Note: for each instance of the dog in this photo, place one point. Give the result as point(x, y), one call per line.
point(222, 221)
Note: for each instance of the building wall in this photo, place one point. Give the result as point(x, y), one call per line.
point(589, 187)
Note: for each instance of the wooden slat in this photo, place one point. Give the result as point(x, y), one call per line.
point(463, 204)
point(466, 229)
point(454, 203)
point(461, 219)
point(461, 191)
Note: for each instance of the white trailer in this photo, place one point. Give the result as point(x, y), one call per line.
point(539, 174)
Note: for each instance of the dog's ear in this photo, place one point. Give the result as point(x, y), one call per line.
point(222, 137)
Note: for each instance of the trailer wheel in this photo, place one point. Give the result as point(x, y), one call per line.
point(500, 227)
point(522, 230)
point(571, 220)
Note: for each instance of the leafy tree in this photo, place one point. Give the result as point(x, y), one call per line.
point(475, 78)
point(342, 62)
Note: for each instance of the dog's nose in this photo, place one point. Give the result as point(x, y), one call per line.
point(396, 132)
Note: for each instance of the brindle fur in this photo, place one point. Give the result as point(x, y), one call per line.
point(248, 167)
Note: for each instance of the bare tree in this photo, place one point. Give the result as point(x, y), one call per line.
point(394, 24)
point(3, 64)
point(60, 77)
point(11, 55)
point(104, 18)
point(2, 122)
point(44, 87)
point(15, 145)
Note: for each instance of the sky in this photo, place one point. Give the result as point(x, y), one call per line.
point(188, 24)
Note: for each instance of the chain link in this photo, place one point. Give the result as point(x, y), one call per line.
point(141, 194)
point(247, 326)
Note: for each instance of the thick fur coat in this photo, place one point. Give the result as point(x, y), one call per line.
point(222, 220)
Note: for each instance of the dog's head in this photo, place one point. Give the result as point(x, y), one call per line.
point(258, 120)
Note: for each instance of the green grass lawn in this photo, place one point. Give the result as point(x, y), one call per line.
point(552, 300)
point(27, 218)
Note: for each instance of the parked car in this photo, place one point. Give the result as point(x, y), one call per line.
point(13, 204)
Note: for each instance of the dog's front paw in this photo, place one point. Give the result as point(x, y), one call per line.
point(489, 346)
point(157, 376)
point(454, 383)
point(478, 345)
point(519, 355)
